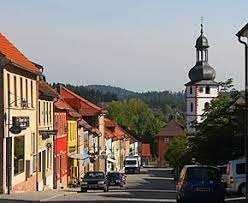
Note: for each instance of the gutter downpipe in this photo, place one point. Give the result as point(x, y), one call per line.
point(246, 114)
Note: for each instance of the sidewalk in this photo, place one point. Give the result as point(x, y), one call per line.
point(32, 196)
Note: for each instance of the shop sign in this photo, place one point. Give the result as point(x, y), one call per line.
point(22, 122)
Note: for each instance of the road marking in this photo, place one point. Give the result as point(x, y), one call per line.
point(234, 199)
point(53, 197)
point(139, 200)
point(143, 190)
point(159, 178)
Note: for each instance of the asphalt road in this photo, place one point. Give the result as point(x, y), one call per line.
point(152, 185)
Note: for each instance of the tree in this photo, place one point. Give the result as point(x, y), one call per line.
point(136, 116)
point(178, 153)
point(219, 137)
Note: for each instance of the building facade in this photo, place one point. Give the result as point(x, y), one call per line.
point(202, 88)
point(44, 155)
point(164, 138)
point(18, 127)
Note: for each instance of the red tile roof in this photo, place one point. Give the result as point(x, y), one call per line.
point(108, 133)
point(172, 129)
point(62, 105)
point(83, 106)
point(146, 150)
point(46, 89)
point(109, 123)
point(15, 56)
point(119, 133)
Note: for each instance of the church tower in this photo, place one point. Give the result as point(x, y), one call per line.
point(202, 88)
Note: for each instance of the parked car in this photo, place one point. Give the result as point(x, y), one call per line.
point(236, 176)
point(223, 173)
point(200, 184)
point(132, 164)
point(94, 180)
point(115, 179)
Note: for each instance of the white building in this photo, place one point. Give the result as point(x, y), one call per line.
point(202, 88)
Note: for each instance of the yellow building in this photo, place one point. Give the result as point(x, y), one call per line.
point(44, 163)
point(73, 148)
point(18, 128)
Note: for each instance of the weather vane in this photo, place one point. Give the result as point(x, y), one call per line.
point(202, 24)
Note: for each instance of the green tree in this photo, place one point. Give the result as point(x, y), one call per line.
point(219, 137)
point(136, 116)
point(178, 153)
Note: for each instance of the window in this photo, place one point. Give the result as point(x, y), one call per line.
point(207, 90)
point(21, 89)
point(240, 168)
point(44, 113)
point(8, 89)
point(39, 112)
point(166, 140)
point(39, 166)
point(191, 106)
point(190, 90)
point(50, 112)
point(32, 94)
point(26, 81)
point(15, 91)
point(48, 158)
point(47, 114)
point(206, 106)
point(19, 147)
point(34, 163)
point(33, 142)
point(201, 89)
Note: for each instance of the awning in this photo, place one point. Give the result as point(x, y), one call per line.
point(80, 156)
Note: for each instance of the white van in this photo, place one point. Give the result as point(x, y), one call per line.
point(236, 176)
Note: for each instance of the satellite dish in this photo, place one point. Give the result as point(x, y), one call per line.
point(15, 129)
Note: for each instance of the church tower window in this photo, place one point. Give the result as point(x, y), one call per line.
point(207, 90)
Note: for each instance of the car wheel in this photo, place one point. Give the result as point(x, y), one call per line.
point(242, 189)
point(83, 190)
point(105, 189)
point(179, 200)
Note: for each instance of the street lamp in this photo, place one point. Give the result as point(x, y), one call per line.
point(243, 34)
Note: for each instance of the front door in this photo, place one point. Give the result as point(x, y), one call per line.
point(44, 167)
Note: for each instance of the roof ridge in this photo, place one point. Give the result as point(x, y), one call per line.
point(83, 99)
point(12, 53)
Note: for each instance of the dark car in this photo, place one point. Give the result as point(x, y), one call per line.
point(115, 179)
point(200, 184)
point(94, 180)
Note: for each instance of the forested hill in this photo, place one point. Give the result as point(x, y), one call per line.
point(121, 93)
point(163, 103)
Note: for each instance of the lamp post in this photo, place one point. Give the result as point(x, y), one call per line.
point(243, 39)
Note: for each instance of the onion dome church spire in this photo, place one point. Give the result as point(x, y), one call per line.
point(202, 70)
point(201, 88)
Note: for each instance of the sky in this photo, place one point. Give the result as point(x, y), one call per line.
point(140, 45)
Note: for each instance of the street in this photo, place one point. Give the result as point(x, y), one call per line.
point(152, 185)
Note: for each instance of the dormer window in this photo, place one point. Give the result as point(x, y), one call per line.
point(207, 90)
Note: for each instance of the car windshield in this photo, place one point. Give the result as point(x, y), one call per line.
point(94, 175)
point(131, 162)
point(113, 175)
point(203, 173)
